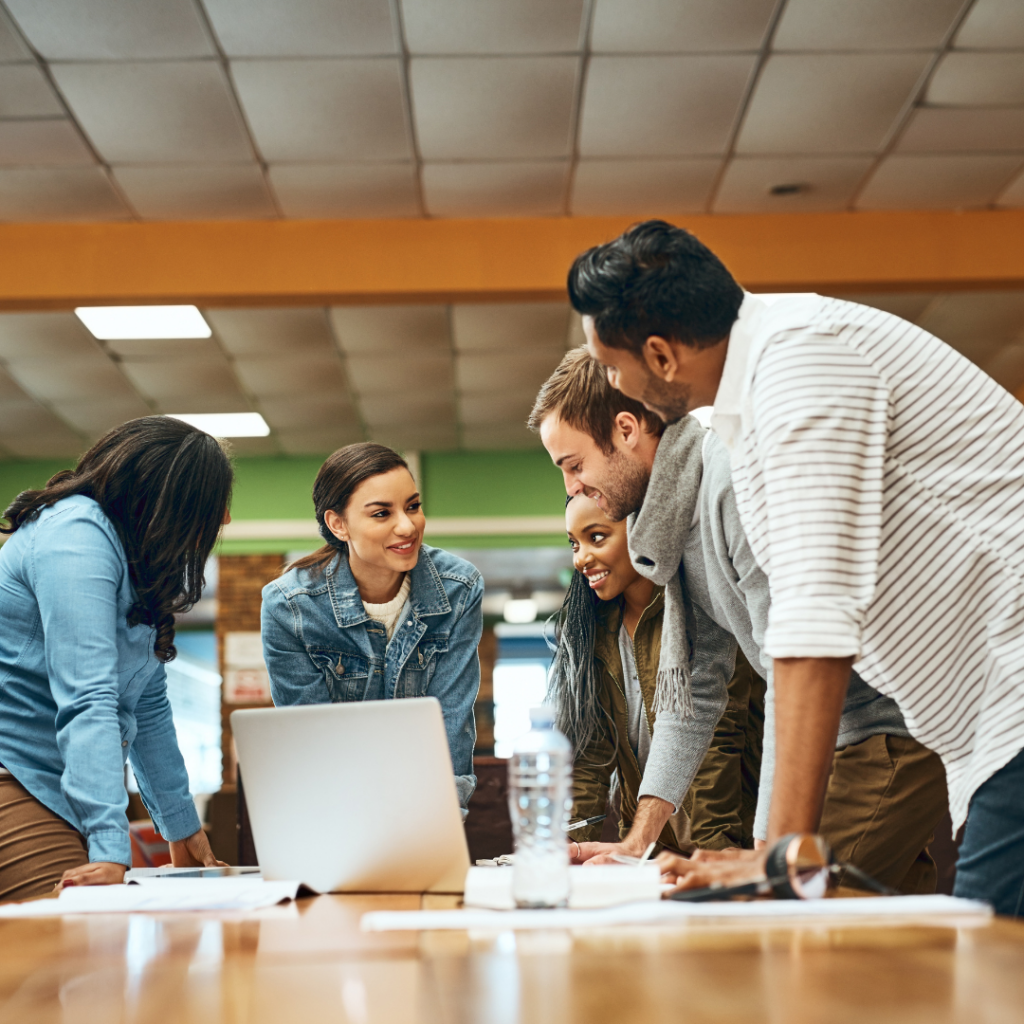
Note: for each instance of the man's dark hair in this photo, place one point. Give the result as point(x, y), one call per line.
point(579, 394)
point(655, 279)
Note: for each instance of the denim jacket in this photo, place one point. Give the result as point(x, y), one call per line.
point(321, 647)
point(80, 690)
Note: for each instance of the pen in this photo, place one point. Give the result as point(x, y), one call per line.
point(621, 858)
point(586, 821)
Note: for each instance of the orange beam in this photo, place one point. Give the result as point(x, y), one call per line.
point(315, 262)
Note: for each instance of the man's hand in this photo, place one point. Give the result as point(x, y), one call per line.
point(651, 814)
point(100, 872)
point(709, 867)
point(194, 852)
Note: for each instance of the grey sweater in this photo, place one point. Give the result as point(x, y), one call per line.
point(725, 581)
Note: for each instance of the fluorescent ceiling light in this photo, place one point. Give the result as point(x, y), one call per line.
point(520, 610)
point(115, 323)
point(227, 424)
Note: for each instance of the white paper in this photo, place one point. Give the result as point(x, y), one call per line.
point(602, 885)
point(159, 895)
point(893, 909)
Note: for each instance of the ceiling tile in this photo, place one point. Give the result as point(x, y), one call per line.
point(249, 332)
point(498, 437)
point(198, 401)
point(42, 142)
point(56, 443)
point(1006, 366)
point(993, 25)
point(93, 417)
point(12, 46)
point(291, 375)
point(835, 103)
point(478, 371)
point(491, 409)
point(346, 190)
point(135, 349)
point(22, 416)
point(661, 106)
point(318, 440)
point(427, 437)
point(478, 108)
point(380, 375)
point(25, 92)
point(1014, 195)
point(937, 182)
point(166, 378)
point(962, 318)
point(978, 80)
point(58, 193)
point(31, 335)
point(112, 29)
point(469, 26)
point(960, 130)
point(160, 112)
point(325, 109)
point(502, 326)
point(9, 387)
point(254, 445)
point(301, 412)
point(636, 187)
point(826, 183)
point(528, 189)
point(864, 25)
point(679, 26)
point(66, 379)
point(908, 305)
point(381, 330)
point(302, 28)
point(412, 408)
point(201, 192)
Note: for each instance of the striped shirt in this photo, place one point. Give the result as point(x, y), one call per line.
point(879, 476)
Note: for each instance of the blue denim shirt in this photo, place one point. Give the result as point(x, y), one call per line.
point(80, 691)
point(321, 646)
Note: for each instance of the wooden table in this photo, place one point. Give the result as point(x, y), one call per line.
point(308, 963)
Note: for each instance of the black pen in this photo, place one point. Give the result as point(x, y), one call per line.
point(586, 821)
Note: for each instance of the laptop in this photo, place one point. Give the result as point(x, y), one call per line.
point(355, 797)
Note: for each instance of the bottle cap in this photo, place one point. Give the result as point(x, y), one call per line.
point(542, 716)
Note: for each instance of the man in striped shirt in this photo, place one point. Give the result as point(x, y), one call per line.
point(879, 477)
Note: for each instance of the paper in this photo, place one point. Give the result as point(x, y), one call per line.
point(159, 895)
point(893, 909)
point(602, 885)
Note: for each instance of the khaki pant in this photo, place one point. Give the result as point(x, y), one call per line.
point(885, 797)
point(36, 846)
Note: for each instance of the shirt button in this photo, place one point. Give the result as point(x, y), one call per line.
point(124, 743)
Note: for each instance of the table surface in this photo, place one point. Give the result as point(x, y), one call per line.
point(308, 963)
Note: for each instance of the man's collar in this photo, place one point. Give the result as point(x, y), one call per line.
point(725, 419)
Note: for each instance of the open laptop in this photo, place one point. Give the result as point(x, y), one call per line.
point(355, 797)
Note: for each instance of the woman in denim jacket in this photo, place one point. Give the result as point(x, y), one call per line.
point(375, 613)
point(99, 562)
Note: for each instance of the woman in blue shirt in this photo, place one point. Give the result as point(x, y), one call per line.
point(376, 613)
point(98, 563)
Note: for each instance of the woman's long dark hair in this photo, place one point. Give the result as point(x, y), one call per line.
point(337, 480)
point(165, 486)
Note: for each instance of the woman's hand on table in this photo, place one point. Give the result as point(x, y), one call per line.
point(711, 867)
point(194, 852)
point(100, 872)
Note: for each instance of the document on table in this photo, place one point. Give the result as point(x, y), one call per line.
point(894, 910)
point(159, 895)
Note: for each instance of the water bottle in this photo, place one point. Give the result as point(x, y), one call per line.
point(540, 802)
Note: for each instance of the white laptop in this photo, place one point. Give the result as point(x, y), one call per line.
point(356, 797)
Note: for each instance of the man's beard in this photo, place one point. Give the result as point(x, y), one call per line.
point(669, 404)
point(625, 488)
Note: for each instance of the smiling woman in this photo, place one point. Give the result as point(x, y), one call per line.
point(376, 614)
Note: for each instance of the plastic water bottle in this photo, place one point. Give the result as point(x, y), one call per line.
point(540, 802)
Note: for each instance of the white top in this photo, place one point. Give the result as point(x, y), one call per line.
point(639, 735)
point(388, 614)
point(879, 477)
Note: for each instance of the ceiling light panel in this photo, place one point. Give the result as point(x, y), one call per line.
point(94, 417)
point(385, 330)
point(478, 371)
point(35, 335)
point(112, 29)
point(318, 440)
point(468, 26)
point(937, 182)
point(58, 193)
point(325, 109)
point(227, 424)
point(636, 187)
point(513, 327)
point(110, 322)
point(962, 130)
point(521, 189)
point(157, 112)
point(250, 332)
point(198, 192)
point(57, 380)
point(346, 190)
point(679, 26)
point(823, 184)
point(978, 79)
point(375, 375)
point(30, 143)
point(301, 412)
point(291, 374)
point(993, 25)
point(25, 92)
point(476, 108)
point(383, 411)
point(303, 28)
point(864, 25)
point(176, 378)
point(661, 106)
point(834, 103)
